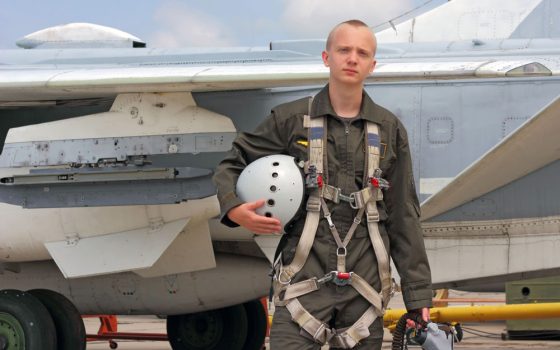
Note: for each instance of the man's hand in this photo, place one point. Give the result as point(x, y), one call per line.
point(245, 215)
point(425, 312)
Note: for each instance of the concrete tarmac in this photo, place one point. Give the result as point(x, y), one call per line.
point(491, 340)
point(481, 336)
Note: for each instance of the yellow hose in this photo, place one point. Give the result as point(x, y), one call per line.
point(483, 313)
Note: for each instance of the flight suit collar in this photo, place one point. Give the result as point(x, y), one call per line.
point(369, 110)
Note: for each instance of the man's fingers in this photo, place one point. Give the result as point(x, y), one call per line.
point(275, 225)
point(426, 314)
point(246, 216)
point(266, 226)
point(261, 219)
point(267, 229)
point(255, 205)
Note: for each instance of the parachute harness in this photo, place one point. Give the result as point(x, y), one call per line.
point(287, 293)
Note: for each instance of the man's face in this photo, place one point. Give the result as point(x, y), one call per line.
point(350, 56)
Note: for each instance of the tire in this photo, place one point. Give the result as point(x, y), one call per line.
point(25, 323)
point(257, 323)
point(223, 329)
point(70, 330)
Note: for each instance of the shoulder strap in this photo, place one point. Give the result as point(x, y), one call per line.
point(372, 214)
point(372, 144)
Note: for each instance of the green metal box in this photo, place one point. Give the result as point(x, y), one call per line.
point(540, 290)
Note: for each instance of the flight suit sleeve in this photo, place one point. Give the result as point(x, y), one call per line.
point(403, 226)
point(265, 140)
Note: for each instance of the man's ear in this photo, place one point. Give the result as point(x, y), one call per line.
point(373, 66)
point(325, 56)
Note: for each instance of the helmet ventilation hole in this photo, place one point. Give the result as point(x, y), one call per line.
point(272, 188)
point(274, 175)
point(270, 202)
point(275, 164)
point(268, 214)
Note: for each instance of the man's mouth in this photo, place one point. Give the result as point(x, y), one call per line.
point(348, 70)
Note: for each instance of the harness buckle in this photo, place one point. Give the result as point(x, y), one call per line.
point(341, 251)
point(284, 274)
point(329, 219)
point(313, 179)
point(342, 278)
point(372, 217)
point(331, 193)
point(313, 204)
point(378, 182)
point(327, 278)
point(351, 199)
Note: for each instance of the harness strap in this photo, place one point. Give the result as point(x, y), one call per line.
point(306, 240)
point(368, 292)
point(341, 246)
point(350, 337)
point(320, 332)
point(383, 264)
point(372, 215)
point(373, 152)
point(298, 289)
point(365, 201)
point(317, 136)
point(356, 199)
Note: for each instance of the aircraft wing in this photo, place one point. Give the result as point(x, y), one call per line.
point(20, 85)
point(532, 146)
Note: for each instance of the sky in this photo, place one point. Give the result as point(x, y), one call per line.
point(200, 23)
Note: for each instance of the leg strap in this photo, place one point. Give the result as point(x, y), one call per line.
point(367, 291)
point(318, 330)
point(321, 333)
point(350, 337)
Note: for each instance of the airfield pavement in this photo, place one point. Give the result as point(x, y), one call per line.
point(489, 334)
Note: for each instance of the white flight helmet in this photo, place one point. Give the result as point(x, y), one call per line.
point(278, 180)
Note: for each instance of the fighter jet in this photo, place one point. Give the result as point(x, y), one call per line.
point(108, 149)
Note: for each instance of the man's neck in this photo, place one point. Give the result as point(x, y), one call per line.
point(346, 100)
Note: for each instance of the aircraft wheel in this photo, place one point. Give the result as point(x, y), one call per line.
point(257, 323)
point(25, 323)
point(70, 330)
point(223, 329)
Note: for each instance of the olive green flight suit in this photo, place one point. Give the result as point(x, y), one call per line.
point(399, 212)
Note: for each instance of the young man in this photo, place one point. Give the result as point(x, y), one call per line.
point(304, 320)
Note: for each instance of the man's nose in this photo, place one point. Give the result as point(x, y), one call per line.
point(352, 57)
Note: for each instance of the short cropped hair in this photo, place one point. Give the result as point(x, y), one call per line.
point(352, 22)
